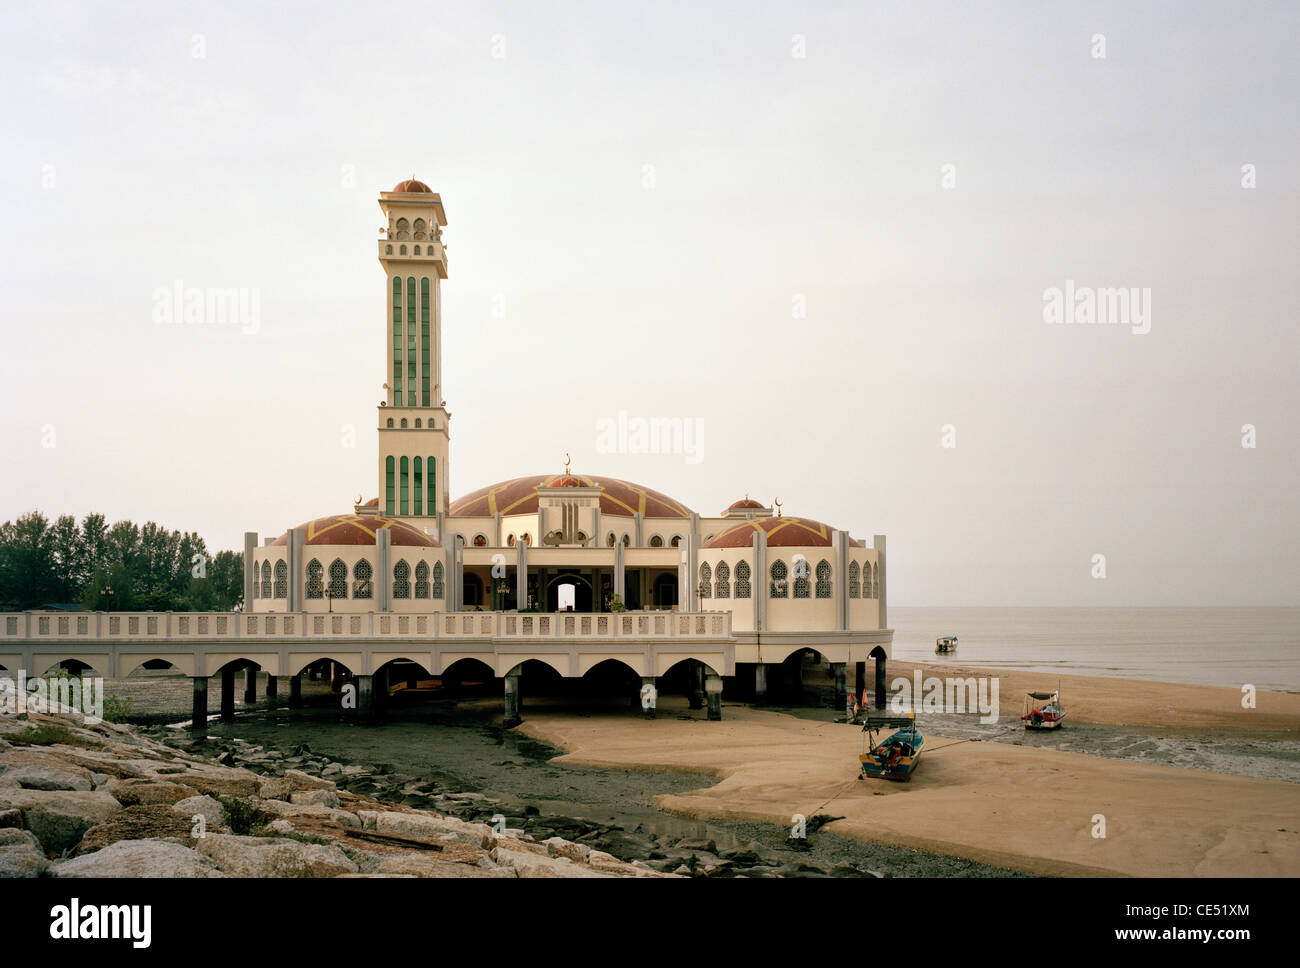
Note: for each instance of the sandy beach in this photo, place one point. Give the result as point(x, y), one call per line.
point(1028, 809)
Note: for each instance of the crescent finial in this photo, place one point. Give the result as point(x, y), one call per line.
point(566, 462)
point(777, 502)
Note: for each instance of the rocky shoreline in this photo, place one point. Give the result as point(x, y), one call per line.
point(101, 800)
point(82, 799)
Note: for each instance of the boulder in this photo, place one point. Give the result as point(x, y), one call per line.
point(206, 807)
point(431, 865)
point(274, 857)
point(132, 793)
point(305, 781)
point(138, 858)
point(222, 782)
point(59, 818)
point(559, 847)
point(316, 798)
point(528, 864)
point(22, 860)
point(433, 830)
point(140, 822)
point(46, 778)
point(274, 788)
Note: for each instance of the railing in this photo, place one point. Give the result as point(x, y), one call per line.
point(199, 626)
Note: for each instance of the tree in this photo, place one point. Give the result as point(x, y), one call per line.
point(67, 552)
point(27, 572)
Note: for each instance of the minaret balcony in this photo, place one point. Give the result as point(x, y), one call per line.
point(416, 253)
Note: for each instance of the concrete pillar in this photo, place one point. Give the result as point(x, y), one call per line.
point(272, 692)
point(839, 670)
point(713, 690)
point(697, 685)
point(512, 717)
point(295, 692)
point(381, 690)
point(250, 686)
point(879, 542)
point(880, 682)
point(760, 681)
point(227, 693)
point(365, 697)
point(199, 719)
point(649, 696)
point(860, 681)
point(250, 552)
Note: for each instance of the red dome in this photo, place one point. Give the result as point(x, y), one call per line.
point(411, 186)
point(745, 503)
point(781, 533)
point(519, 496)
point(355, 529)
point(568, 480)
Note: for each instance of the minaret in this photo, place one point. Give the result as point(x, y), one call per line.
point(413, 433)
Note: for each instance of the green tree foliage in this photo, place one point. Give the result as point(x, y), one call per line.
point(116, 568)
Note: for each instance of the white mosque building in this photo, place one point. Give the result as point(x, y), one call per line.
point(567, 543)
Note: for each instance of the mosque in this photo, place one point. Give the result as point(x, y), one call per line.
point(564, 544)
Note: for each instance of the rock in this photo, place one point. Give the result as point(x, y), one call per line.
point(514, 843)
point(318, 798)
point(305, 781)
point(46, 778)
point(528, 864)
point(13, 837)
point(274, 857)
point(559, 847)
point(206, 807)
point(22, 860)
point(431, 865)
point(221, 782)
point(281, 826)
point(11, 818)
point(139, 858)
point(278, 808)
point(274, 788)
point(346, 818)
point(59, 818)
point(140, 822)
point(707, 846)
point(434, 830)
point(131, 793)
point(332, 770)
point(605, 863)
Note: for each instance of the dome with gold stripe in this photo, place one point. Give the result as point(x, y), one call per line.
point(358, 529)
point(519, 496)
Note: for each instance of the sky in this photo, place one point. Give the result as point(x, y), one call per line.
point(827, 235)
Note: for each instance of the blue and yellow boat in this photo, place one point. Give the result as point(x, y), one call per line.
point(897, 756)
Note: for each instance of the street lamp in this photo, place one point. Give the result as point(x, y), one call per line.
point(108, 594)
point(329, 595)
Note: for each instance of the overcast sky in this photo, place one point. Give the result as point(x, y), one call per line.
point(740, 216)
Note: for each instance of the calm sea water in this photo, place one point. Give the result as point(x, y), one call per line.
point(1207, 646)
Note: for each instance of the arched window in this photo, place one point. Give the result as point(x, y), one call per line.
point(401, 580)
point(510, 540)
point(480, 541)
point(417, 486)
point(257, 580)
point(315, 579)
point(779, 573)
point(421, 580)
point(419, 228)
point(724, 580)
point(403, 230)
point(417, 250)
point(388, 250)
point(410, 342)
point(528, 539)
point(401, 250)
point(266, 579)
point(436, 591)
point(424, 339)
point(338, 579)
point(656, 541)
point(418, 424)
point(404, 486)
point(706, 581)
point(742, 579)
point(875, 581)
point(431, 507)
point(281, 579)
point(677, 540)
point(403, 423)
point(362, 586)
point(610, 539)
point(390, 424)
point(802, 586)
point(390, 485)
point(823, 579)
point(854, 572)
point(582, 537)
point(627, 541)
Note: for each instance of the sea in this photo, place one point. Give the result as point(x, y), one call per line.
point(1203, 646)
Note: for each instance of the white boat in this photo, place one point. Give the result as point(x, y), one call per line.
point(1043, 710)
point(945, 645)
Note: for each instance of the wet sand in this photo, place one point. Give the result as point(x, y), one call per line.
point(1026, 808)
